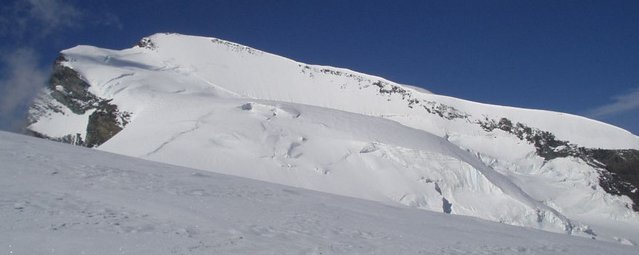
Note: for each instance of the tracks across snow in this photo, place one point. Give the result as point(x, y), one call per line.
point(196, 126)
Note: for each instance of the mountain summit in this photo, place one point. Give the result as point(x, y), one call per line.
point(215, 105)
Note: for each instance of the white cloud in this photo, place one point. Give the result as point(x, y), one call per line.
point(22, 79)
point(24, 24)
point(622, 103)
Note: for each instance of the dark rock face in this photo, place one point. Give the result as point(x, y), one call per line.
point(104, 123)
point(146, 43)
point(547, 146)
point(622, 176)
point(618, 169)
point(70, 89)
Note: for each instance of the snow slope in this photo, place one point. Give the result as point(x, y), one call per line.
point(210, 104)
point(327, 150)
point(62, 199)
point(255, 74)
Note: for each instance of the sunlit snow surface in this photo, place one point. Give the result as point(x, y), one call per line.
point(214, 105)
point(60, 199)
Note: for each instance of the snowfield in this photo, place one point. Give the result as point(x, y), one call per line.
point(63, 199)
point(210, 104)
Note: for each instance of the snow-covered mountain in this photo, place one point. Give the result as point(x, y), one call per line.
point(61, 199)
point(211, 104)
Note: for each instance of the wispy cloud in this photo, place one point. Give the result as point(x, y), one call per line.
point(621, 104)
point(22, 80)
point(23, 25)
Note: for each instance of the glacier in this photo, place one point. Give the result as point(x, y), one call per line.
point(214, 105)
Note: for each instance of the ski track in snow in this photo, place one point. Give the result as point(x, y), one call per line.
point(60, 199)
point(119, 77)
point(178, 135)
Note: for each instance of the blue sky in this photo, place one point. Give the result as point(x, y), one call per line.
point(579, 57)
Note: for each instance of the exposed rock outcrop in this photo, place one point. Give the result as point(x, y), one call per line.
point(619, 169)
point(69, 88)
